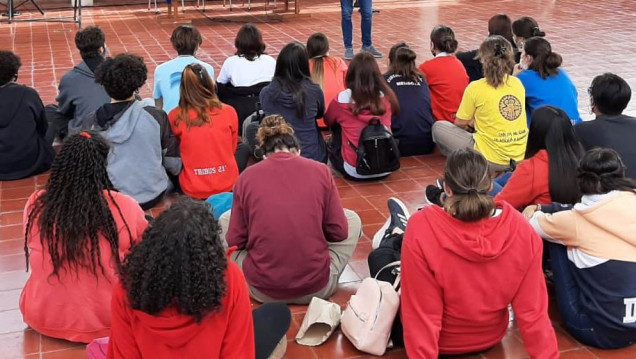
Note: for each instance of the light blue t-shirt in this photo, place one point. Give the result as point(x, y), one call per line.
point(168, 79)
point(558, 91)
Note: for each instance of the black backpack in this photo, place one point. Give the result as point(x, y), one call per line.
point(377, 150)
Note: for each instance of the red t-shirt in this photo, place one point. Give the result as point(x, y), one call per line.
point(529, 183)
point(447, 79)
point(207, 152)
point(226, 333)
point(286, 208)
point(76, 306)
point(459, 277)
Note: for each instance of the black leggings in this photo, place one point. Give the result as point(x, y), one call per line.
point(271, 322)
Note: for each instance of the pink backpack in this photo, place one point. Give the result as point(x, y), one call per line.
point(370, 313)
point(97, 349)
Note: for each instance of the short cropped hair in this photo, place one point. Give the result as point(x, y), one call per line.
point(122, 75)
point(186, 39)
point(89, 41)
point(9, 66)
point(610, 93)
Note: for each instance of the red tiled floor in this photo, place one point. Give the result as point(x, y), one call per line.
point(47, 53)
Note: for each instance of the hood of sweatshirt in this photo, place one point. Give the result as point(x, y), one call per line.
point(83, 69)
point(169, 327)
point(12, 95)
point(611, 212)
point(479, 241)
point(120, 119)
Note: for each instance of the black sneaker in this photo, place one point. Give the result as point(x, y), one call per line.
point(434, 192)
point(398, 219)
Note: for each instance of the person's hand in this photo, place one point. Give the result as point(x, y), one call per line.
point(529, 211)
point(517, 69)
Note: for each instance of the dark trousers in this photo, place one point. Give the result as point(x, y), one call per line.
point(58, 124)
point(271, 322)
point(577, 322)
point(242, 156)
point(389, 251)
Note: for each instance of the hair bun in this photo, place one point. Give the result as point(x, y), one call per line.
point(275, 125)
point(500, 50)
point(536, 31)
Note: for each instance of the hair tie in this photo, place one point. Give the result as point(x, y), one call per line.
point(500, 50)
point(472, 191)
point(86, 135)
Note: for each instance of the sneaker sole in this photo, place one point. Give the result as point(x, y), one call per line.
point(377, 237)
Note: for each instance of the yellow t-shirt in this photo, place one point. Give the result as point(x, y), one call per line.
point(501, 130)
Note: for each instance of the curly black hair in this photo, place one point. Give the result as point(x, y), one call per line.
point(180, 261)
point(122, 75)
point(73, 211)
point(9, 66)
point(89, 41)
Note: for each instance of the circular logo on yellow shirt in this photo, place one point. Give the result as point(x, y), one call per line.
point(510, 107)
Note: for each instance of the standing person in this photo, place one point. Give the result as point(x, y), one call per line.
point(464, 263)
point(412, 126)
point(545, 82)
point(144, 147)
point(24, 150)
point(367, 96)
point(493, 108)
point(186, 40)
point(445, 74)
point(609, 96)
point(207, 131)
point(294, 96)
point(328, 72)
point(77, 231)
point(592, 252)
point(550, 166)
point(78, 93)
point(524, 28)
point(366, 24)
point(497, 25)
point(293, 236)
point(181, 298)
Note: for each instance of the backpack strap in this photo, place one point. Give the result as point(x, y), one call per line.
point(396, 264)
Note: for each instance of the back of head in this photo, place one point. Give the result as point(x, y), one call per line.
point(610, 94)
point(601, 171)
point(317, 49)
point(9, 65)
point(180, 262)
point(292, 68)
point(500, 25)
point(198, 93)
point(90, 41)
point(274, 133)
point(122, 75)
point(443, 38)
point(402, 62)
point(186, 39)
point(367, 86)
point(73, 214)
point(249, 42)
point(552, 130)
point(497, 58)
point(544, 61)
point(468, 177)
point(526, 27)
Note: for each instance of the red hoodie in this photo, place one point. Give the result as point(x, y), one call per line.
point(447, 80)
point(529, 183)
point(226, 333)
point(459, 277)
point(207, 152)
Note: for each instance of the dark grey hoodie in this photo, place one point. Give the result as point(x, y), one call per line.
point(79, 95)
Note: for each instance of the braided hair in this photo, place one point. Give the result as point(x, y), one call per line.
point(73, 211)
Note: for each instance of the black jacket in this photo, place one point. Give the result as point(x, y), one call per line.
point(243, 99)
point(615, 132)
point(23, 150)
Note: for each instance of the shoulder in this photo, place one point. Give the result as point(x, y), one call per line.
point(231, 60)
point(267, 59)
point(228, 110)
point(164, 67)
point(527, 75)
point(124, 201)
point(344, 96)
point(157, 113)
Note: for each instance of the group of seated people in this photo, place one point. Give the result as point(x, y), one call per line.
point(180, 284)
